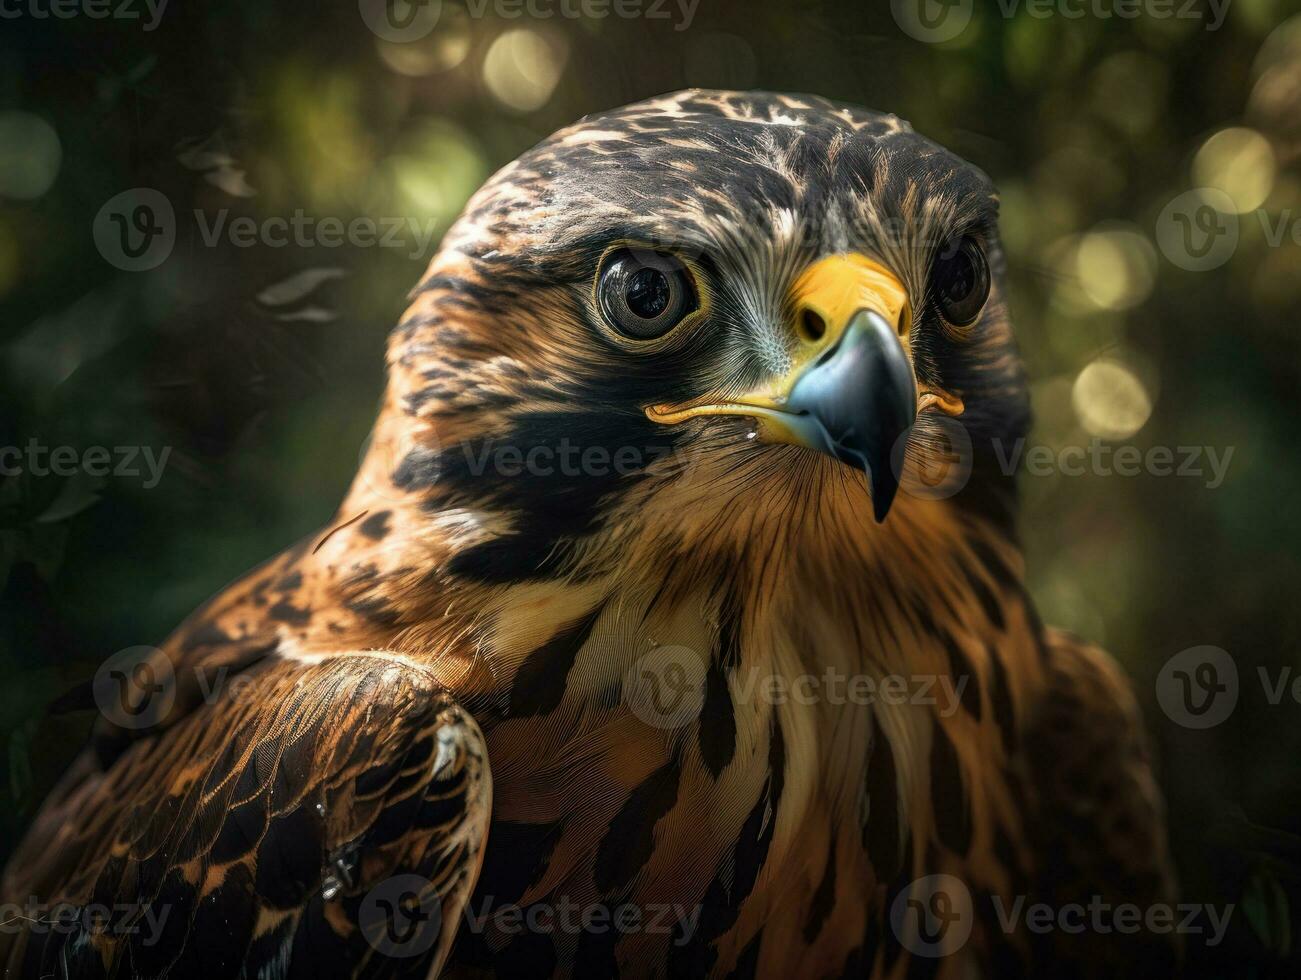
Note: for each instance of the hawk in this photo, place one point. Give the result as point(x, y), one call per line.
point(647, 642)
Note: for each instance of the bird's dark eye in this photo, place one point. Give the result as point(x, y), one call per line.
point(960, 281)
point(643, 293)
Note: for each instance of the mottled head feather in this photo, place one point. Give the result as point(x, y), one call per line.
point(503, 345)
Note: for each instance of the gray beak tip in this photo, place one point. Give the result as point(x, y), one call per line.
point(863, 397)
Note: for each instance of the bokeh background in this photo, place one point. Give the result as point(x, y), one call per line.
point(258, 369)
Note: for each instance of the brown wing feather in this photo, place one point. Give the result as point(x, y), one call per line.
point(308, 821)
point(1096, 818)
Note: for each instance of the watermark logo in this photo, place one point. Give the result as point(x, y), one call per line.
point(1198, 230)
point(400, 21)
point(683, 10)
point(1212, 12)
point(938, 21)
point(933, 916)
point(665, 688)
point(40, 460)
point(90, 9)
point(1100, 917)
point(942, 464)
point(1198, 687)
point(143, 922)
point(571, 458)
point(135, 688)
point(135, 231)
point(564, 916)
point(1099, 458)
point(401, 917)
point(932, 21)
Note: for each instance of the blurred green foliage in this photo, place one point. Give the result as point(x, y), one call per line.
point(261, 381)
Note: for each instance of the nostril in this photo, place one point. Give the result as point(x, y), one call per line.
point(812, 327)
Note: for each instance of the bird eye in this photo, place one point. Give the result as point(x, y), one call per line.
point(644, 294)
point(960, 281)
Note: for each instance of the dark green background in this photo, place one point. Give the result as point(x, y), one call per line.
point(1089, 125)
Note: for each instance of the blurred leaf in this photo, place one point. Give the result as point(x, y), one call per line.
point(1266, 907)
point(20, 763)
point(232, 181)
point(77, 493)
point(310, 314)
point(297, 286)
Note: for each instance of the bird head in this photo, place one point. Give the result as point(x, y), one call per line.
point(696, 317)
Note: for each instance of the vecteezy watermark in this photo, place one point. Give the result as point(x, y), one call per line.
point(397, 457)
point(932, 21)
point(938, 21)
point(668, 686)
point(681, 12)
point(564, 916)
point(1100, 917)
point(402, 21)
point(94, 919)
point(305, 231)
point(135, 688)
point(1212, 12)
point(1200, 687)
point(1199, 230)
point(566, 458)
point(137, 230)
point(665, 688)
point(944, 465)
point(90, 9)
point(402, 916)
point(38, 459)
point(933, 916)
point(1098, 458)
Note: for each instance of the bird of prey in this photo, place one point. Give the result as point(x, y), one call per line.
point(639, 647)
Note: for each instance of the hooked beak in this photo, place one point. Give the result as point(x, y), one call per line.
point(851, 391)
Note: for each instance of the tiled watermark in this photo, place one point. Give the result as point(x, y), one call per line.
point(1200, 229)
point(402, 917)
point(1100, 917)
point(39, 459)
point(414, 457)
point(137, 230)
point(667, 688)
point(404, 21)
point(135, 688)
point(565, 916)
point(565, 457)
point(401, 21)
point(1098, 457)
point(934, 916)
point(940, 21)
point(148, 12)
point(944, 469)
point(1201, 687)
point(141, 921)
